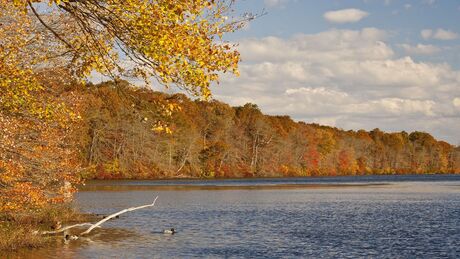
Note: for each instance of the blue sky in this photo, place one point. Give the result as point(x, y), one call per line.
point(287, 17)
point(404, 19)
point(388, 64)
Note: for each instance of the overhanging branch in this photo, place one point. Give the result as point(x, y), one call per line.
point(48, 27)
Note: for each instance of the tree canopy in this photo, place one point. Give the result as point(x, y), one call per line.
point(49, 47)
point(213, 139)
point(174, 42)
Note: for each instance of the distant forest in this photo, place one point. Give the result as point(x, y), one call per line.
point(121, 137)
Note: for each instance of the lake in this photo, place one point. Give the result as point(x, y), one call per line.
point(334, 217)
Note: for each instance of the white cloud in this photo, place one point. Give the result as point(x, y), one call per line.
point(275, 3)
point(398, 106)
point(324, 101)
point(329, 45)
point(445, 35)
point(429, 2)
point(439, 34)
point(407, 6)
point(426, 33)
point(345, 15)
point(349, 79)
point(420, 49)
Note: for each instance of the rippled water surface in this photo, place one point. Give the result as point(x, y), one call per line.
point(388, 217)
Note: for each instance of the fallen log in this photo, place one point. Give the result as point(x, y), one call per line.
point(116, 214)
point(97, 224)
point(66, 228)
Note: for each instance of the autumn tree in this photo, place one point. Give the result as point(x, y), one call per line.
point(63, 41)
point(212, 140)
point(176, 43)
point(36, 159)
point(257, 136)
point(215, 129)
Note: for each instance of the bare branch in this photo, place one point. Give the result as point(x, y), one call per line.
point(66, 228)
point(97, 224)
point(116, 214)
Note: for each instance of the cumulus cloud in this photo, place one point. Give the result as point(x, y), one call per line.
point(397, 106)
point(345, 15)
point(445, 35)
point(420, 49)
point(331, 45)
point(439, 34)
point(324, 101)
point(346, 78)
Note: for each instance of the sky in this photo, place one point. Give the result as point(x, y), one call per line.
point(352, 64)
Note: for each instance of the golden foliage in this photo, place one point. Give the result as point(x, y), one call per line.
point(175, 42)
point(48, 45)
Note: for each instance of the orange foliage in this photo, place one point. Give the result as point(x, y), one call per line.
point(37, 159)
point(212, 139)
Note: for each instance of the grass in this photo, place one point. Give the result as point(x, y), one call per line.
point(16, 231)
point(14, 237)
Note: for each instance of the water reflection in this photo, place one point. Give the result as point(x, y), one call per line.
point(189, 187)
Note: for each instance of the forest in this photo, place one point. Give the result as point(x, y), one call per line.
point(125, 135)
point(58, 129)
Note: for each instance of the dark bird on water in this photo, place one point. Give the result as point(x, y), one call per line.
point(68, 237)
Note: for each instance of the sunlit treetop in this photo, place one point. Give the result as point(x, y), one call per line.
point(175, 42)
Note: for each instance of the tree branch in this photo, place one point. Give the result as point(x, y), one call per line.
point(97, 224)
point(116, 214)
point(48, 27)
point(66, 228)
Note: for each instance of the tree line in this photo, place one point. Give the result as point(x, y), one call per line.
point(121, 139)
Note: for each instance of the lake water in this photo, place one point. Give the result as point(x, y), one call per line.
point(338, 217)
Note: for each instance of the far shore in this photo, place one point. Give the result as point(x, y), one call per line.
point(252, 183)
point(185, 187)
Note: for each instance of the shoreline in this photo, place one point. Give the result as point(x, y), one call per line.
point(258, 183)
point(183, 187)
point(255, 178)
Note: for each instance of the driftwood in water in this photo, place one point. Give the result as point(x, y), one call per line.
point(99, 223)
point(66, 228)
point(116, 214)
